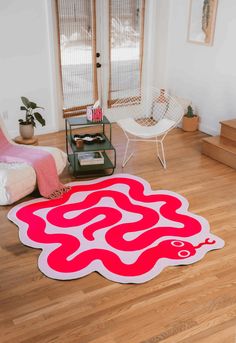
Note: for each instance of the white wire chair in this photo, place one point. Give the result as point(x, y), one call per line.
point(150, 115)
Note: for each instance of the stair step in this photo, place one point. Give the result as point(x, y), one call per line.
point(231, 123)
point(220, 149)
point(228, 129)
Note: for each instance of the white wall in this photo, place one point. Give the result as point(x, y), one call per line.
point(206, 75)
point(28, 58)
point(25, 61)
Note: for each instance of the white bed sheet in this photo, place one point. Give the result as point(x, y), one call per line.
point(19, 179)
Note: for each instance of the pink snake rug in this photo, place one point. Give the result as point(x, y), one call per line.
point(116, 226)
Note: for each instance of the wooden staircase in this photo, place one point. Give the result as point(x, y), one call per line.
point(222, 148)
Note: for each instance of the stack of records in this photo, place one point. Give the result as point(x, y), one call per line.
point(91, 157)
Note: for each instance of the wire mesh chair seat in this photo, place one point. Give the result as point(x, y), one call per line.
point(151, 114)
point(150, 131)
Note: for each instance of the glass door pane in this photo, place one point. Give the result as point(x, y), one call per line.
point(126, 42)
point(77, 31)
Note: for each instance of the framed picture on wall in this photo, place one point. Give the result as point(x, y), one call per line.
point(201, 24)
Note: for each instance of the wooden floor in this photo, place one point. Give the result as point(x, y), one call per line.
point(188, 304)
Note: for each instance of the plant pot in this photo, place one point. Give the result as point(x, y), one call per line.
point(26, 131)
point(190, 123)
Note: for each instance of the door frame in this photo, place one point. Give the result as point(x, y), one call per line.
point(101, 43)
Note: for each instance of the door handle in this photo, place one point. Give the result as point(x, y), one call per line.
point(98, 65)
point(98, 54)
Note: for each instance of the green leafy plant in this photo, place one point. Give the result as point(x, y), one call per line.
point(31, 114)
point(189, 113)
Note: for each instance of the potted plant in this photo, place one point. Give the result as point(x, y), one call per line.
point(31, 116)
point(190, 120)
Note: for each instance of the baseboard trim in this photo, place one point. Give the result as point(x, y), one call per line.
point(43, 131)
point(208, 130)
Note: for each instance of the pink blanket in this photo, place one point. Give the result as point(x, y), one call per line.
point(43, 163)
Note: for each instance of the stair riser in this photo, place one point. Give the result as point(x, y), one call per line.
point(219, 154)
point(228, 132)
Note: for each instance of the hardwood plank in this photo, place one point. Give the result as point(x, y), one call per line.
point(195, 303)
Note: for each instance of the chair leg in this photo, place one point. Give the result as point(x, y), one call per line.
point(126, 160)
point(162, 156)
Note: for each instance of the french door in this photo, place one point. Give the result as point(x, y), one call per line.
point(101, 51)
